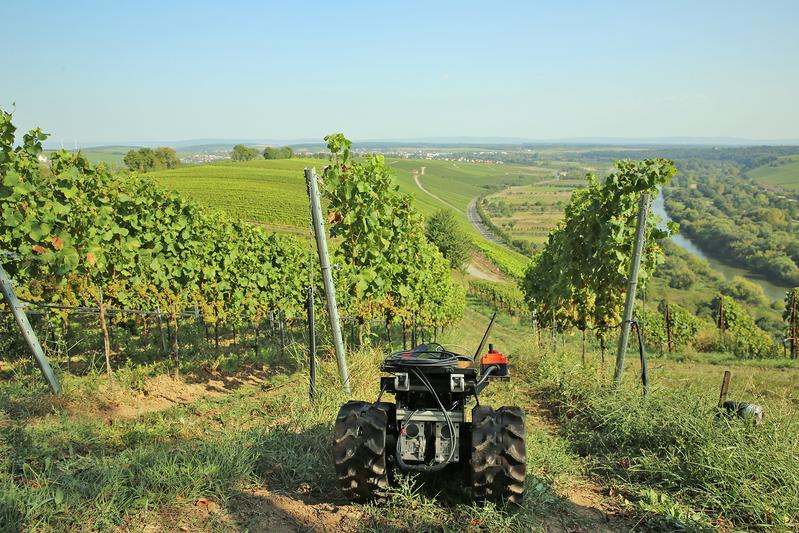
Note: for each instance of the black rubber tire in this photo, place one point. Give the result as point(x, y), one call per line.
point(498, 454)
point(359, 450)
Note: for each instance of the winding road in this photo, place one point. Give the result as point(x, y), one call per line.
point(477, 222)
point(471, 211)
point(419, 184)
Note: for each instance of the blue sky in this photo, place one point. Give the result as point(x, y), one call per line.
point(147, 71)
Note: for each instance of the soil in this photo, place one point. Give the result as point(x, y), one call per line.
point(481, 268)
point(251, 510)
point(160, 392)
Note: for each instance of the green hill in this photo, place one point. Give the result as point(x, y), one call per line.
point(783, 174)
point(272, 193)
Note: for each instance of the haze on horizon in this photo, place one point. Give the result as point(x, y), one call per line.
point(103, 73)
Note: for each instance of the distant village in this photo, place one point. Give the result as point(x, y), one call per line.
point(203, 158)
point(491, 157)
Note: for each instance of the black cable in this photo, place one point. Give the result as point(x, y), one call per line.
point(642, 355)
point(485, 375)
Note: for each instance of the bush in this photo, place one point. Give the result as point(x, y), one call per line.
point(741, 335)
point(684, 326)
point(743, 290)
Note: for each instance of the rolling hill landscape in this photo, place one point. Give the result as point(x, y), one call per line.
point(364, 268)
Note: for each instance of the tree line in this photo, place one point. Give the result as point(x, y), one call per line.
point(729, 216)
point(242, 152)
point(147, 159)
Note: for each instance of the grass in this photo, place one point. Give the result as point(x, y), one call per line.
point(77, 464)
point(457, 184)
point(783, 174)
point(674, 454)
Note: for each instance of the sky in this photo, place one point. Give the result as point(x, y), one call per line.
point(122, 72)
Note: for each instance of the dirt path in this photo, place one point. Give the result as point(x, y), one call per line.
point(256, 510)
point(261, 511)
point(159, 393)
point(481, 268)
point(471, 215)
point(419, 184)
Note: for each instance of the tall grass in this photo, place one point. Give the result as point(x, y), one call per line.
point(676, 453)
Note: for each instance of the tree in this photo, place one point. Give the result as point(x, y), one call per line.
point(243, 153)
point(166, 157)
point(443, 230)
point(271, 152)
point(146, 159)
point(141, 160)
point(743, 290)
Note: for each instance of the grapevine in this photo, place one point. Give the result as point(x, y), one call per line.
point(579, 278)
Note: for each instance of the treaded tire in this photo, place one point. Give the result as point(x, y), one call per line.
point(498, 454)
point(359, 450)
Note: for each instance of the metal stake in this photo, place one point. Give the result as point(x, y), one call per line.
point(27, 331)
point(312, 344)
point(327, 278)
point(632, 283)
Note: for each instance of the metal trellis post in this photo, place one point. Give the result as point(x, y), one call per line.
point(327, 278)
point(632, 283)
point(27, 331)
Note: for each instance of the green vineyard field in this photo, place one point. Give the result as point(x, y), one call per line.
point(269, 193)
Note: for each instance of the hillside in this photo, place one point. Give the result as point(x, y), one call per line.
point(781, 174)
point(269, 193)
point(272, 193)
point(111, 155)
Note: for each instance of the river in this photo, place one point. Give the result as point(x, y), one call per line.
point(772, 290)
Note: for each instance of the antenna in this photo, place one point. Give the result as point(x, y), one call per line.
point(485, 336)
